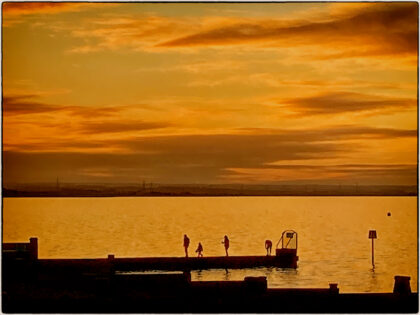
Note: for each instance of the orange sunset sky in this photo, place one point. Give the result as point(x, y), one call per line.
point(210, 92)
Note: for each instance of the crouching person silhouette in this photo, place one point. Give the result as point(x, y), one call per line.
point(268, 246)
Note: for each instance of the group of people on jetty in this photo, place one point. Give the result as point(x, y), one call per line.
point(225, 242)
point(200, 249)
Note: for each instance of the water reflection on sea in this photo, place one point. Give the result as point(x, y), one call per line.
point(333, 233)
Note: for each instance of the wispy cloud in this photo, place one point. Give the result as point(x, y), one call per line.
point(382, 174)
point(16, 12)
point(119, 126)
point(331, 103)
point(377, 29)
point(27, 104)
point(32, 124)
point(136, 33)
point(380, 29)
point(246, 143)
point(333, 133)
point(278, 80)
point(25, 8)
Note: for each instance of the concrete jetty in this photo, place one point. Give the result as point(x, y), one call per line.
point(32, 285)
point(284, 258)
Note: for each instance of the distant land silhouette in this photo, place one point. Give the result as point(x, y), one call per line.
point(152, 189)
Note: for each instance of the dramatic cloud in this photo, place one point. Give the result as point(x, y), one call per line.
point(380, 29)
point(175, 159)
point(343, 102)
point(203, 158)
point(207, 93)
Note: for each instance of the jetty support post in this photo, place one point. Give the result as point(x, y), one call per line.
point(110, 263)
point(33, 248)
point(402, 285)
point(256, 284)
point(334, 288)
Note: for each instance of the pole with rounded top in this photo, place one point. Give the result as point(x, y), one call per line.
point(372, 235)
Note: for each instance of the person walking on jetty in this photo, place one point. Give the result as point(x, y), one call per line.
point(226, 242)
point(268, 246)
point(186, 244)
point(199, 250)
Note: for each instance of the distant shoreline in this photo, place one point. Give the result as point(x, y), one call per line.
point(197, 190)
point(21, 194)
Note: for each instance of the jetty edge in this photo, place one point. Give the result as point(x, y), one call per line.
point(32, 285)
point(169, 263)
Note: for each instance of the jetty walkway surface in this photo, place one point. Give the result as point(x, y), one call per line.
point(172, 263)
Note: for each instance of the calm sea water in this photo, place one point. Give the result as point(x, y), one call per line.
point(332, 233)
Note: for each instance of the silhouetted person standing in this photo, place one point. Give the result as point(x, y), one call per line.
point(268, 246)
point(199, 250)
point(226, 242)
point(186, 244)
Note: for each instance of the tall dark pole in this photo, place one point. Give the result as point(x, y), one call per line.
point(372, 235)
point(373, 255)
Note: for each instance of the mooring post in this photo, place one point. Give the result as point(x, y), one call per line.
point(110, 263)
point(372, 235)
point(334, 288)
point(33, 248)
point(402, 285)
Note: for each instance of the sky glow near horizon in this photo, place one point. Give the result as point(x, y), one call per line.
point(210, 92)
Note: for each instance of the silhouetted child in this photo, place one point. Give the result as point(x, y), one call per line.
point(268, 245)
point(186, 244)
point(226, 242)
point(199, 250)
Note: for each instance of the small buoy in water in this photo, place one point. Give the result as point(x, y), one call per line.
point(389, 214)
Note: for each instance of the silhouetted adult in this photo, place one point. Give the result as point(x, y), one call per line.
point(199, 250)
point(226, 242)
point(186, 244)
point(268, 246)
